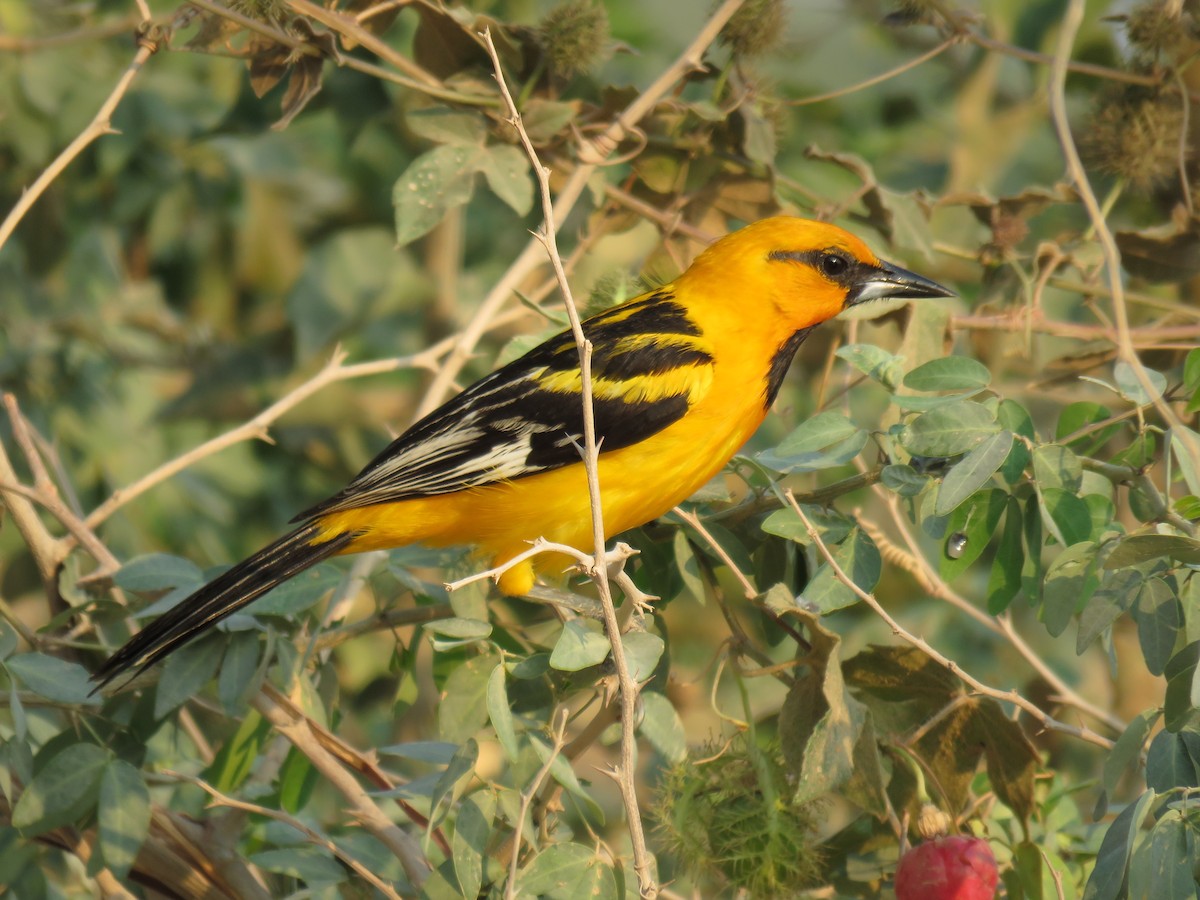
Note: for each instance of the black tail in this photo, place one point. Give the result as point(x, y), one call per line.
point(225, 594)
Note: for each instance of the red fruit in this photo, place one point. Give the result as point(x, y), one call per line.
point(949, 868)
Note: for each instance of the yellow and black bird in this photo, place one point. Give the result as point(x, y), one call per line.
point(682, 376)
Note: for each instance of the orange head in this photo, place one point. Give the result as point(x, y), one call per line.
point(806, 271)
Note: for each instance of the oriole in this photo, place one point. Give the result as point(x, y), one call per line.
point(682, 376)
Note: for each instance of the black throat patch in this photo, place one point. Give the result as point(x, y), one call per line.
point(780, 363)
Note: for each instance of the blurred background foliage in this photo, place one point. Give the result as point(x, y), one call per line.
point(272, 195)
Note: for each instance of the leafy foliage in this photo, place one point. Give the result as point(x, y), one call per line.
point(1012, 478)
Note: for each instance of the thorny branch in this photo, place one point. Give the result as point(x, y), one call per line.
point(591, 460)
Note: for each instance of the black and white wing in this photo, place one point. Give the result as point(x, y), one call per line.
point(650, 364)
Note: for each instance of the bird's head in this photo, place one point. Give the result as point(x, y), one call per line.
point(810, 271)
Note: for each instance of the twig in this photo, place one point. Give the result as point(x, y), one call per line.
point(1079, 68)
point(348, 26)
point(1071, 22)
point(877, 79)
point(591, 456)
point(689, 60)
point(748, 588)
point(314, 836)
point(527, 795)
point(424, 83)
point(1049, 722)
point(100, 125)
point(11, 43)
point(1021, 320)
point(586, 561)
point(296, 729)
point(914, 562)
point(332, 372)
point(385, 619)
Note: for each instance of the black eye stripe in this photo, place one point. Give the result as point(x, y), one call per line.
point(826, 262)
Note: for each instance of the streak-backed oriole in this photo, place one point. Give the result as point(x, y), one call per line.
point(682, 376)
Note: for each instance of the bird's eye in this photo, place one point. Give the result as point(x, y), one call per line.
point(833, 265)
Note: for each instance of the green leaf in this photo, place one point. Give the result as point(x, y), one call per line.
point(949, 373)
point(298, 593)
point(948, 430)
point(436, 182)
point(643, 650)
point(507, 172)
point(1070, 583)
point(435, 753)
point(52, 678)
point(1069, 514)
point(873, 362)
point(859, 559)
point(1013, 417)
point(296, 781)
point(186, 671)
point(236, 678)
point(1131, 387)
point(816, 433)
point(460, 629)
point(1140, 548)
point(662, 727)
point(567, 872)
point(1183, 687)
point(313, 866)
point(472, 828)
point(1116, 594)
point(820, 722)
point(1107, 881)
point(687, 567)
point(463, 707)
point(1159, 619)
point(1054, 466)
point(158, 572)
point(1004, 580)
point(1084, 415)
point(976, 521)
point(500, 713)
point(581, 644)
point(1191, 371)
point(1162, 866)
point(838, 454)
point(1188, 507)
point(831, 526)
point(1126, 753)
point(544, 119)
point(561, 771)
point(238, 755)
point(444, 125)
point(972, 472)
point(1189, 467)
point(460, 767)
point(123, 814)
point(903, 479)
point(1169, 761)
point(1012, 761)
point(62, 790)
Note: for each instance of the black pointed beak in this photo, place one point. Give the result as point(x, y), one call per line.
point(890, 281)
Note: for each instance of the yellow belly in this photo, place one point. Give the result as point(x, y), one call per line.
point(637, 484)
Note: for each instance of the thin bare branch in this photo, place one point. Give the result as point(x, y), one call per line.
point(296, 729)
point(314, 836)
point(642, 860)
point(1049, 722)
point(100, 125)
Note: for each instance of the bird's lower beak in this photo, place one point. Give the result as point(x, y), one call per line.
point(890, 281)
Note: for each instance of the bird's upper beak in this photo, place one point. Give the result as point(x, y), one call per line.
point(889, 280)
